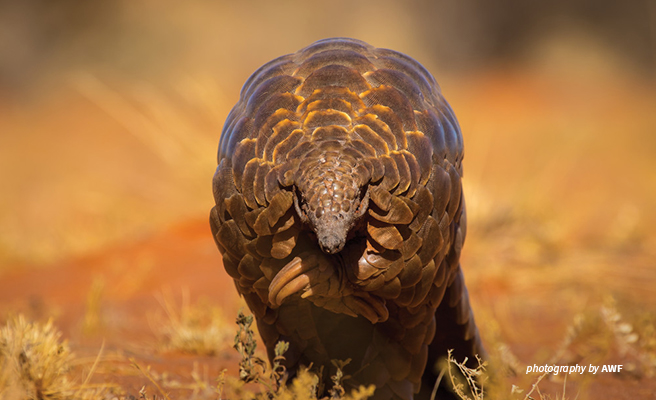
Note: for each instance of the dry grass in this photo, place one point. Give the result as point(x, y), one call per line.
point(201, 386)
point(601, 336)
point(34, 361)
point(36, 364)
point(93, 321)
point(198, 328)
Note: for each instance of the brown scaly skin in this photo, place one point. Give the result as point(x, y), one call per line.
point(329, 199)
point(340, 216)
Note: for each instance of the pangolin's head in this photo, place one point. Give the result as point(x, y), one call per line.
point(331, 196)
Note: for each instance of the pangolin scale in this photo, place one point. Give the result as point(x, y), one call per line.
point(340, 215)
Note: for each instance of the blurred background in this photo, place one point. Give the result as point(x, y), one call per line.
point(110, 112)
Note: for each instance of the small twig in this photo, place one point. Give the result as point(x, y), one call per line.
point(221, 383)
point(95, 364)
point(535, 386)
point(437, 384)
point(150, 378)
point(564, 383)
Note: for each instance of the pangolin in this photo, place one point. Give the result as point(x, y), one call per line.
point(340, 215)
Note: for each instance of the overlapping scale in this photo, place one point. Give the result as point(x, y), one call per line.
point(331, 75)
point(350, 126)
point(279, 133)
point(334, 57)
point(392, 108)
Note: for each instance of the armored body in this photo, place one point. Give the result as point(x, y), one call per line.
point(340, 215)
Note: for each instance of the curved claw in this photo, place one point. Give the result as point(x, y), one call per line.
point(290, 288)
point(324, 283)
point(371, 308)
point(296, 267)
point(318, 282)
point(319, 288)
point(297, 275)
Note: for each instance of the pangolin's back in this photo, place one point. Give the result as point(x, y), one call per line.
point(339, 213)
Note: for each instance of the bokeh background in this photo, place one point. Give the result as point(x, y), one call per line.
point(111, 112)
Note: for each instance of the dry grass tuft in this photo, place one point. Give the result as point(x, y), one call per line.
point(34, 361)
point(36, 364)
point(470, 383)
point(467, 381)
point(195, 329)
point(633, 345)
